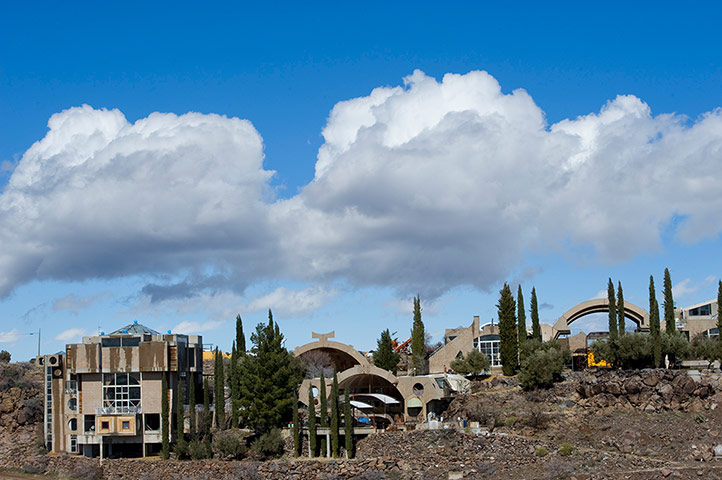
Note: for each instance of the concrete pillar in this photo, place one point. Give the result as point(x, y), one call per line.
point(328, 445)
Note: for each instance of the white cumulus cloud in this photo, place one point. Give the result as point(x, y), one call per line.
point(11, 336)
point(422, 187)
point(72, 334)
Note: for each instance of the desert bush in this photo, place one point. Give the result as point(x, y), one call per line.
point(536, 418)
point(4, 356)
point(543, 364)
point(269, 444)
point(197, 450)
point(636, 350)
point(566, 449)
point(709, 349)
point(540, 452)
point(229, 444)
point(510, 421)
point(473, 363)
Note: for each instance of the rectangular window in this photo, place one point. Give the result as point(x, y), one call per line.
point(121, 392)
point(104, 425)
point(130, 341)
point(73, 444)
point(126, 425)
point(110, 342)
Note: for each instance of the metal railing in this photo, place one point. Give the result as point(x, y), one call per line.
point(118, 410)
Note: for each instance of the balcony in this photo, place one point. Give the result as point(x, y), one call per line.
point(125, 410)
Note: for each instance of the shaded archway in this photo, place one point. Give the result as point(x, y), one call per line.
point(340, 356)
point(600, 305)
point(378, 390)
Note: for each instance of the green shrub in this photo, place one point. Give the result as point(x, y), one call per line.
point(473, 363)
point(197, 450)
point(510, 421)
point(229, 444)
point(540, 452)
point(709, 349)
point(269, 444)
point(4, 356)
point(543, 364)
point(636, 350)
point(566, 449)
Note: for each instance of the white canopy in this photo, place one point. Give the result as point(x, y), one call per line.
point(358, 404)
point(379, 396)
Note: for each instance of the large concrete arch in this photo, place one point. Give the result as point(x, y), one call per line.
point(344, 356)
point(600, 305)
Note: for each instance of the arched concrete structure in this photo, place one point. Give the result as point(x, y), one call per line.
point(600, 305)
point(344, 356)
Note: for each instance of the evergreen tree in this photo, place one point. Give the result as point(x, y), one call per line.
point(654, 328)
point(535, 327)
point(192, 403)
point(508, 337)
point(719, 310)
point(418, 339)
point(207, 417)
point(620, 308)
point(233, 383)
point(334, 416)
point(669, 324)
point(296, 428)
point(240, 337)
point(323, 409)
point(164, 420)
point(612, 311)
point(267, 379)
point(347, 423)
point(385, 357)
point(311, 425)
point(521, 318)
point(218, 395)
point(180, 445)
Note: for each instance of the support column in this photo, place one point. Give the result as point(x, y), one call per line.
point(328, 445)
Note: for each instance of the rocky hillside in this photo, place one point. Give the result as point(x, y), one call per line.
point(21, 409)
point(595, 425)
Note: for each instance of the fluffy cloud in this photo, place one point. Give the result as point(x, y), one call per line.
point(74, 303)
point(10, 337)
point(71, 334)
point(100, 197)
point(421, 187)
point(292, 302)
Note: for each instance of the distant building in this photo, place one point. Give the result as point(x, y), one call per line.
point(103, 396)
point(699, 319)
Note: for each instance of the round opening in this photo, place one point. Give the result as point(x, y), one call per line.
point(418, 389)
point(73, 403)
point(52, 360)
point(73, 424)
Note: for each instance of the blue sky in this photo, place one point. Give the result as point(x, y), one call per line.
point(361, 173)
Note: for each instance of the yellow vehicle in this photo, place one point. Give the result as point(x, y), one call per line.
point(592, 363)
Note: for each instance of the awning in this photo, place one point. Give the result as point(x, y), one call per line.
point(379, 396)
point(358, 404)
point(414, 402)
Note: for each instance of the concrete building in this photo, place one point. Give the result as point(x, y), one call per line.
point(378, 396)
point(698, 320)
point(103, 396)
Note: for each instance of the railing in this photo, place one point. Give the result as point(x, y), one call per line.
point(118, 410)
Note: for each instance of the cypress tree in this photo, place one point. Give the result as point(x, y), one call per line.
point(508, 337)
point(620, 308)
point(612, 311)
point(311, 425)
point(233, 384)
point(296, 428)
point(180, 444)
point(669, 324)
point(521, 317)
point(207, 417)
point(323, 409)
point(218, 396)
point(165, 449)
point(334, 416)
point(240, 337)
point(347, 423)
point(192, 402)
point(719, 310)
point(385, 357)
point(654, 329)
point(418, 338)
point(535, 327)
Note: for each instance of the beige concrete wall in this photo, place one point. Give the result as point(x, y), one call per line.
point(150, 391)
point(464, 343)
point(92, 396)
point(83, 358)
point(431, 391)
point(121, 359)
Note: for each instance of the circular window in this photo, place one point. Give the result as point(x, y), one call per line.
point(73, 424)
point(418, 389)
point(73, 403)
point(52, 360)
